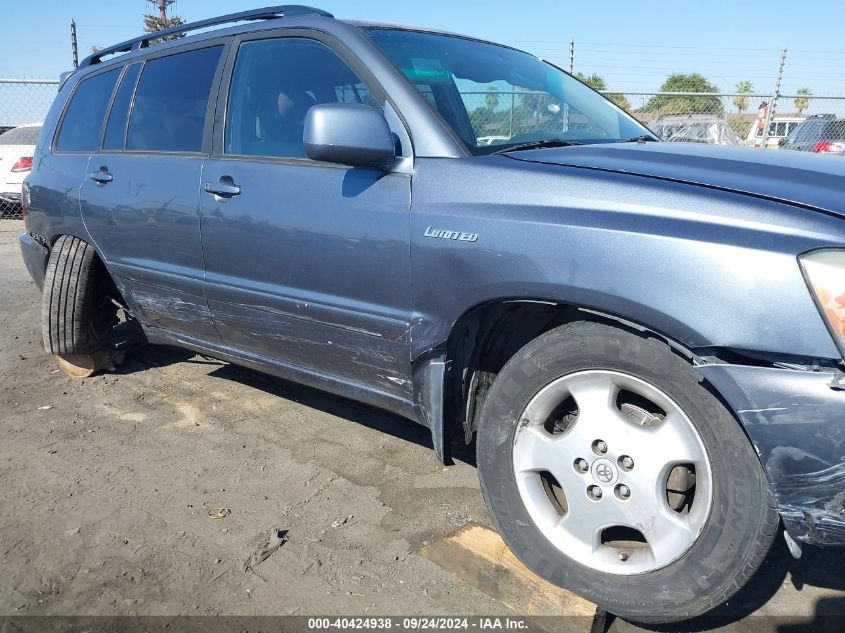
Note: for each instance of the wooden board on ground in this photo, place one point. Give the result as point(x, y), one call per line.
point(479, 557)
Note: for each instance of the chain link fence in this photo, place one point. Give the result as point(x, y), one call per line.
point(23, 104)
point(751, 119)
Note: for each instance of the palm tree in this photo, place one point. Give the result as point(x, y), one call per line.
point(744, 87)
point(802, 101)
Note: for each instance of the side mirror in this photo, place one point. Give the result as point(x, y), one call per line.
point(350, 134)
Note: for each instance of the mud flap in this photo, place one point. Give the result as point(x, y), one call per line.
point(430, 385)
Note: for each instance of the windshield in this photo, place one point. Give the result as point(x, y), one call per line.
point(494, 97)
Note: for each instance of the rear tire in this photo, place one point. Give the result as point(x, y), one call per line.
point(730, 534)
point(77, 315)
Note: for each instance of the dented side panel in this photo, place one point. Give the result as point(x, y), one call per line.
point(796, 421)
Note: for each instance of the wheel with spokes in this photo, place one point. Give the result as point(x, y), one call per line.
point(612, 471)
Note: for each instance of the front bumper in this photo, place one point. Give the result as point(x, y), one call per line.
point(35, 258)
point(796, 421)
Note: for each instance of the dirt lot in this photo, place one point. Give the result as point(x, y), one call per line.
point(106, 485)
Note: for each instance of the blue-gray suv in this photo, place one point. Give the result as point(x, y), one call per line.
point(644, 340)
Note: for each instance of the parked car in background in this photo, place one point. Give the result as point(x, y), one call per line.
point(821, 134)
point(17, 147)
point(694, 128)
point(779, 128)
point(308, 197)
point(492, 140)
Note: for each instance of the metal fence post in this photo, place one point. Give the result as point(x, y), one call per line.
point(73, 45)
point(773, 102)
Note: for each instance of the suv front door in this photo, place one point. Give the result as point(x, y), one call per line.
point(307, 263)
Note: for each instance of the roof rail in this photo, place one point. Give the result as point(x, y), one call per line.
point(267, 13)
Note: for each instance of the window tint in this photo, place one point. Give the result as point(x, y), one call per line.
point(171, 100)
point(274, 84)
point(809, 131)
point(21, 136)
point(116, 127)
point(835, 131)
point(83, 120)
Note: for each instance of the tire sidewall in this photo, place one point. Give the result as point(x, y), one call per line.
point(707, 569)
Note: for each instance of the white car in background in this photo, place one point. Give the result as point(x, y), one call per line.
point(17, 147)
point(779, 128)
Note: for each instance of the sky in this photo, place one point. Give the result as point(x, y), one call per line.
point(633, 45)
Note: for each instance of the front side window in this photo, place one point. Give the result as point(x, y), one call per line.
point(171, 100)
point(493, 96)
point(274, 84)
point(83, 120)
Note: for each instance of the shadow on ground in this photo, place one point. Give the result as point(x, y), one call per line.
point(817, 567)
point(147, 356)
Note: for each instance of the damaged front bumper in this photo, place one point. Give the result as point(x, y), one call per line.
point(796, 420)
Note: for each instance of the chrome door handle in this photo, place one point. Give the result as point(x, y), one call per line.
point(103, 176)
point(222, 189)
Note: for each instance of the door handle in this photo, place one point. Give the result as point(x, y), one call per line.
point(102, 176)
point(224, 188)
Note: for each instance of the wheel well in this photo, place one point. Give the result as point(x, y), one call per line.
point(104, 283)
point(485, 338)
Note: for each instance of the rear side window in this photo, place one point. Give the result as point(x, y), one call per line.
point(83, 121)
point(20, 136)
point(116, 127)
point(171, 101)
point(835, 132)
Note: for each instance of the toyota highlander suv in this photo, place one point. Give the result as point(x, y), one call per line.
point(643, 339)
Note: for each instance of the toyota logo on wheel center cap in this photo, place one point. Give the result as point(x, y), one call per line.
point(604, 472)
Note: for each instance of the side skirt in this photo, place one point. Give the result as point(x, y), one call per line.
point(288, 371)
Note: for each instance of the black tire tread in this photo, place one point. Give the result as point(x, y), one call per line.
point(764, 531)
point(68, 301)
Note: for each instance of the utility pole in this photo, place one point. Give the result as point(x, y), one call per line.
point(571, 55)
point(770, 113)
point(73, 44)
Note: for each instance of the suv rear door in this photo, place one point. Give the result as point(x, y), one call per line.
point(140, 201)
point(73, 128)
point(307, 263)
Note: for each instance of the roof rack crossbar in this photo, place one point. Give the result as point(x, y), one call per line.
point(267, 13)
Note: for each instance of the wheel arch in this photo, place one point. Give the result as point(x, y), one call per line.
point(487, 335)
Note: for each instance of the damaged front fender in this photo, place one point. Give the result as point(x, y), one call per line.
point(796, 421)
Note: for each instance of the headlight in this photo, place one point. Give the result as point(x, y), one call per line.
point(824, 271)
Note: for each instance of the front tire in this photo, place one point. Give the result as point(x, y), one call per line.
point(611, 471)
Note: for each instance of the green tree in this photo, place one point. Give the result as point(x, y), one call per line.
point(597, 82)
point(492, 99)
point(594, 81)
point(744, 87)
point(685, 104)
point(153, 23)
point(802, 101)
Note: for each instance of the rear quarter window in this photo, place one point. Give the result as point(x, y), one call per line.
point(171, 100)
point(83, 120)
point(835, 131)
point(20, 136)
point(115, 137)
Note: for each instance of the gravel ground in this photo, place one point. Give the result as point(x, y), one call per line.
point(106, 486)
